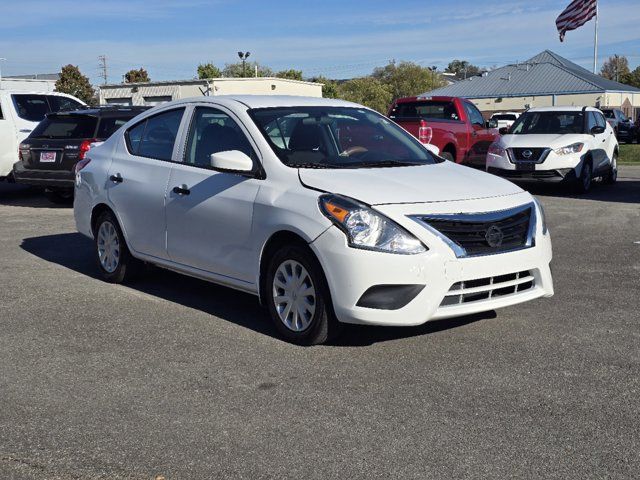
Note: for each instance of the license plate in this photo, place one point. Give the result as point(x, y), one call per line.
point(525, 166)
point(47, 157)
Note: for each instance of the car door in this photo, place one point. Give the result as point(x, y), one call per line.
point(138, 178)
point(8, 146)
point(596, 145)
point(606, 140)
point(210, 213)
point(480, 137)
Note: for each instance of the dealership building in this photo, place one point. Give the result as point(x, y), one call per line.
point(544, 80)
point(156, 93)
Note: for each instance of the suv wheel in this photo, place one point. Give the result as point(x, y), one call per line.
point(586, 177)
point(298, 298)
point(116, 263)
point(612, 175)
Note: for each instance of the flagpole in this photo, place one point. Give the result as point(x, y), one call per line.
point(595, 43)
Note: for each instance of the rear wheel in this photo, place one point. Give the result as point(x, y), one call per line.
point(612, 175)
point(586, 177)
point(115, 261)
point(298, 297)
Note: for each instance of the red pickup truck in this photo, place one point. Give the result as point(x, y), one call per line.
point(453, 124)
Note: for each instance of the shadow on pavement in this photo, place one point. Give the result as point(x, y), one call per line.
point(74, 251)
point(14, 195)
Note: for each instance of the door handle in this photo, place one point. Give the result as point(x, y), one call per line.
point(182, 190)
point(117, 178)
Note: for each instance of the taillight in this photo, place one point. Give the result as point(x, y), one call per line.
point(81, 164)
point(85, 146)
point(425, 134)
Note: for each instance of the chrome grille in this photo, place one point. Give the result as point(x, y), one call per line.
point(484, 233)
point(488, 288)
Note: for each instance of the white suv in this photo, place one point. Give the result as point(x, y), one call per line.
point(20, 112)
point(557, 144)
point(327, 211)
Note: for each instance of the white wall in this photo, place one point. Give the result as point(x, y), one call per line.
point(28, 85)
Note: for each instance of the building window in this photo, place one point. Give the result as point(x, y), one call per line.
point(124, 101)
point(157, 100)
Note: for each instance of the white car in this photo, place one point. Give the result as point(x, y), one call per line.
point(327, 211)
point(20, 112)
point(557, 144)
point(505, 119)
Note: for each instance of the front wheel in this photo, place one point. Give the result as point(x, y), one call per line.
point(586, 177)
point(115, 261)
point(612, 175)
point(298, 297)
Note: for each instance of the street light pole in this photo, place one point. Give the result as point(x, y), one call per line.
point(243, 56)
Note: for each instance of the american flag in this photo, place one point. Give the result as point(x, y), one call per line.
point(575, 15)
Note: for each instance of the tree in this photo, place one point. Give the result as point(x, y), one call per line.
point(137, 76)
point(407, 79)
point(235, 70)
point(208, 70)
point(71, 81)
point(367, 91)
point(329, 87)
point(462, 68)
point(632, 78)
point(291, 74)
point(615, 68)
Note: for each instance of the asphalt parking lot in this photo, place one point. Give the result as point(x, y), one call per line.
point(178, 378)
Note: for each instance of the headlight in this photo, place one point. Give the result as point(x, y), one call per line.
point(573, 148)
point(496, 149)
point(542, 216)
point(368, 229)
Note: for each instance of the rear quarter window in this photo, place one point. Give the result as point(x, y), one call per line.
point(434, 110)
point(108, 126)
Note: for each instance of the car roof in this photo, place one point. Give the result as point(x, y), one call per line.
point(269, 101)
point(567, 108)
point(105, 111)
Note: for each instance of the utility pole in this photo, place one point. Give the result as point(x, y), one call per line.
point(103, 68)
point(616, 63)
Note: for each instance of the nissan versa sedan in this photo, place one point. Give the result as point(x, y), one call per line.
point(327, 211)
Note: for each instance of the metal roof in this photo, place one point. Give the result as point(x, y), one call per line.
point(545, 74)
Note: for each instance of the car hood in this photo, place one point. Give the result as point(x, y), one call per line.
point(440, 182)
point(541, 141)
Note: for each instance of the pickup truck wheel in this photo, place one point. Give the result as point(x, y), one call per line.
point(612, 175)
point(448, 156)
point(298, 297)
point(115, 261)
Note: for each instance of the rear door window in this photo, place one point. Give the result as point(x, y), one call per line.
point(155, 137)
point(67, 126)
point(31, 107)
point(109, 125)
point(431, 109)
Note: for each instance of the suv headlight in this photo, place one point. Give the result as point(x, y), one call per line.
point(541, 215)
point(496, 149)
point(366, 228)
point(569, 149)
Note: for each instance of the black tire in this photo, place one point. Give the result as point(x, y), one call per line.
point(322, 325)
point(612, 175)
point(60, 197)
point(586, 177)
point(447, 155)
point(127, 267)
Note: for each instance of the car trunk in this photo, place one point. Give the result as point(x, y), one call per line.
point(55, 143)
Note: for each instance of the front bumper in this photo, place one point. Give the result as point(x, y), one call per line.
point(351, 272)
point(43, 178)
point(554, 168)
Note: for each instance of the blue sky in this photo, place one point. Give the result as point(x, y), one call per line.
point(337, 38)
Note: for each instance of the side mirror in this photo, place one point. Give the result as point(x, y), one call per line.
point(597, 130)
point(503, 131)
point(232, 161)
point(492, 123)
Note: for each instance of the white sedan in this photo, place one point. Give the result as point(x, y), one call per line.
point(326, 210)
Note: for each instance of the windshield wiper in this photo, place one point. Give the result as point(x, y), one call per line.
point(315, 165)
point(386, 164)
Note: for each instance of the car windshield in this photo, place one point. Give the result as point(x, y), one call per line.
point(555, 122)
point(338, 137)
point(66, 126)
